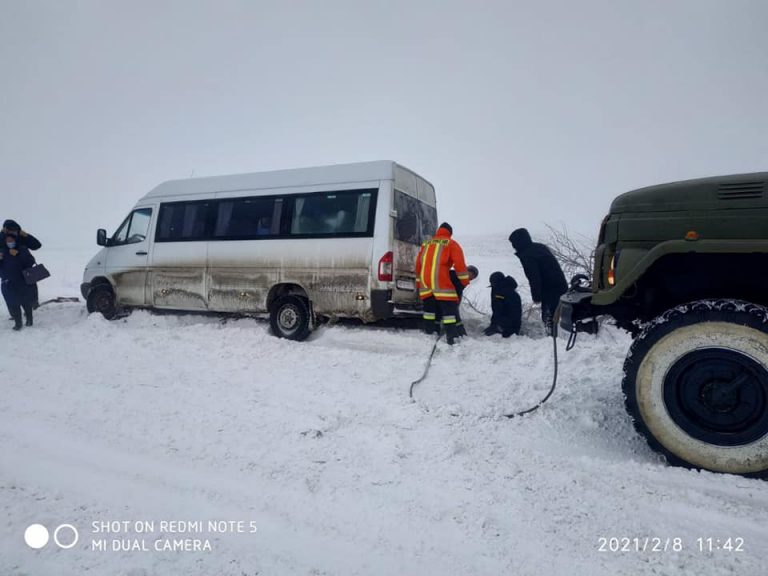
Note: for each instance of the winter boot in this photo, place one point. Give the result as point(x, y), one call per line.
point(29, 319)
point(451, 334)
point(460, 330)
point(16, 314)
point(430, 327)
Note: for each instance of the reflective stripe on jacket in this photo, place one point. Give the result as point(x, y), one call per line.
point(433, 267)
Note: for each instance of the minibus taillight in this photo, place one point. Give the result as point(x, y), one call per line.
point(385, 267)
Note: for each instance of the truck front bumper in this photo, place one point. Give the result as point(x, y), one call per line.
point(576, 311)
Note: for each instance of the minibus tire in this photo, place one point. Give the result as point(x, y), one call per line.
point(102, 299)
point(290, 318)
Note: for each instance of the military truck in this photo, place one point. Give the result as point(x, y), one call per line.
point(684, 268)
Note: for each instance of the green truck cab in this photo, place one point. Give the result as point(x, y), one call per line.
point(684, 268)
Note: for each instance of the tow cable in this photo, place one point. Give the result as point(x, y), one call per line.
point(60, 300)
point(426, 368)
point(510, 415)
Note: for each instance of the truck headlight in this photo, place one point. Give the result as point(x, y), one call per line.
point(611, 278)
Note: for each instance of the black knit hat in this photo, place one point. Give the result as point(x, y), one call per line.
point(496, 277)
point(11, 225)
point(447, 227)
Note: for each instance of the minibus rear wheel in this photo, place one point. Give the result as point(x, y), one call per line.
point(290, 318)
point(102, 299)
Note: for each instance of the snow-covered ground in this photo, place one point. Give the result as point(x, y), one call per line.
point(166, 417)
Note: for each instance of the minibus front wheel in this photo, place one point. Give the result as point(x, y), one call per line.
point(102, 299)
point(290, 317)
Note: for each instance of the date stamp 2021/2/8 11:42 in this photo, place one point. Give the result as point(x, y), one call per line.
point(656, 544)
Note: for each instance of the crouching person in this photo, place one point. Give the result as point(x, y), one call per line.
point(506, 306)
point(18, 295)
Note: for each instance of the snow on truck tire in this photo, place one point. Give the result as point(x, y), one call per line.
point(696, 386)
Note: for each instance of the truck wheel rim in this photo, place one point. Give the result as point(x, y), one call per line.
point(718, 396)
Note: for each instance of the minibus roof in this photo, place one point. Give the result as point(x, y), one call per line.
point(296, 177)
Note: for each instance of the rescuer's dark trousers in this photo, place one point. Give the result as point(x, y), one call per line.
point(548, 309)
point(460, 330)
point(445, 312)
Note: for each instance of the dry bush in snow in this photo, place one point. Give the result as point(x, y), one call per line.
point(575, 252)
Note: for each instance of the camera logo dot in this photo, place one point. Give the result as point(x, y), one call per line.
point(36, 536)
point(74, 536)
point(65, 536)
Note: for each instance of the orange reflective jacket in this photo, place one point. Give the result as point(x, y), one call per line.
point(433, 266)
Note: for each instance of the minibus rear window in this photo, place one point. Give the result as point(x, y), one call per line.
point(415, 221)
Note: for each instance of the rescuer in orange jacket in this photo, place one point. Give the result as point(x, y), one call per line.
point(436, 258)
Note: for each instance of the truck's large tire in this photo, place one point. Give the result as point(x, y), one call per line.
point(696, 386)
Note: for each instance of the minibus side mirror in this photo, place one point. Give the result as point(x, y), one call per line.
point(101, 237)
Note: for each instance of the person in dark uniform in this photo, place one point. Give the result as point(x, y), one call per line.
point(506, 306)
point(545, 277)
point(28, 241)
point(18, 295)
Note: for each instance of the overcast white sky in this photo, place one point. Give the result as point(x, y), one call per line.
point(519, 112)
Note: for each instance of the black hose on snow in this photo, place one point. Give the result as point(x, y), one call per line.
point(426, 368)
point(551, 389)
point(555, 321)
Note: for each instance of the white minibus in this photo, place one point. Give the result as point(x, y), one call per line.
point(300, 245)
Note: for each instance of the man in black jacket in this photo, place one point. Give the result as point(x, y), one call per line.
point(545, 277)
point(25, 239)
point(506, 306)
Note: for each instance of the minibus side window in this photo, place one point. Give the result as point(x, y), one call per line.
point(183, 221)
point(345, 213)
point(139, 226)
point(248, 218)
point(134, 228)
point(122, 232)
